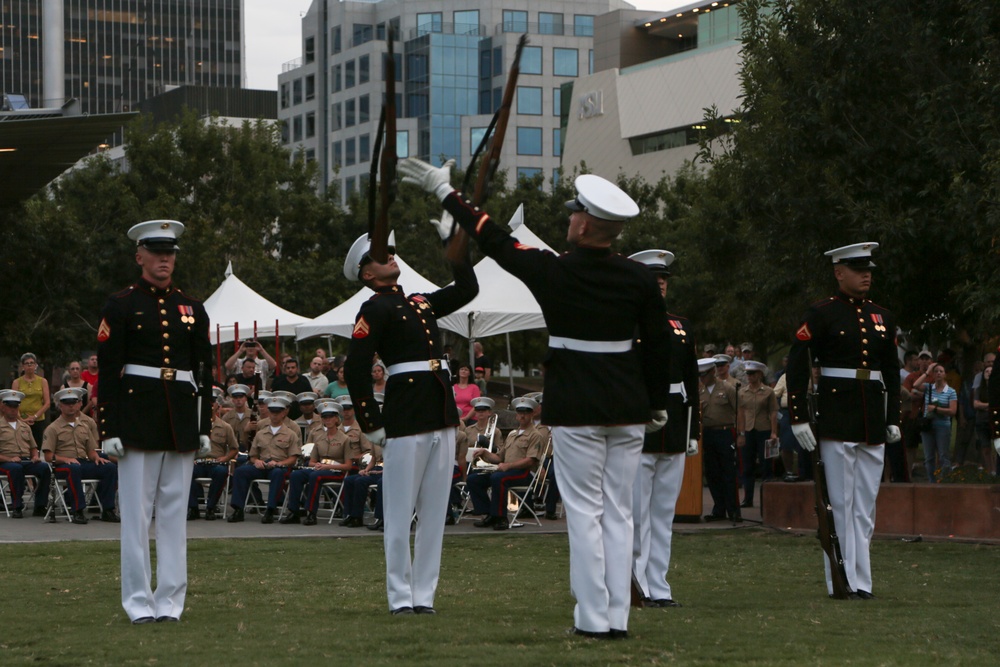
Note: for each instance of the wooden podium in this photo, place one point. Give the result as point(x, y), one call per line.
point(690, 501)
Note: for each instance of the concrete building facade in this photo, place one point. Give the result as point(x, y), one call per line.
point(452, 60)
point(641, 113)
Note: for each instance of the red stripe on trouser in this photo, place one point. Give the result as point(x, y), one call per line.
point(72, 487)
point(501, 500)
point(10, 485)
point(319, 481)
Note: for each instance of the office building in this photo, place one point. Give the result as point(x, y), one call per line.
point(452, 60)
point(641, 112)
point(118, 53)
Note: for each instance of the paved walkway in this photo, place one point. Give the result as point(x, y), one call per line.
point(31, 529)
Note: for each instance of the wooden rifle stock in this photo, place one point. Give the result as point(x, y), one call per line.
point(458, 247)
point(379, 234)
point(826, 528)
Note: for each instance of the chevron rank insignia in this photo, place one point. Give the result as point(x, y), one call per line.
point(104, 331)
point(361, 328)
point(803, 333)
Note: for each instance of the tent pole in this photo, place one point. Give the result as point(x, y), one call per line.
point(236, 335)
point(510, 366)
point(277, 344)
point(218, 351)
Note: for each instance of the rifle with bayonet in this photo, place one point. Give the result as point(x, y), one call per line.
point(458, 247)
point(384, 161)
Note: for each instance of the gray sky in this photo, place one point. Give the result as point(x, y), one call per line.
point(274, 35)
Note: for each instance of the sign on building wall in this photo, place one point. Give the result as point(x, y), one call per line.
point(592, 104)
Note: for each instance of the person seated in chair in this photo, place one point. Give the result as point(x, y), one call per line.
point(275, 449)
point(215, 466)
point(309, 420)
point(19, 456)
point(242, 418)
point(70, 445)
point(516, 459)
point(333, 456)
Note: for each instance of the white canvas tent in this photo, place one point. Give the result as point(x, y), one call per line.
point(340, 320)
point(235, 304)
point(504, 303)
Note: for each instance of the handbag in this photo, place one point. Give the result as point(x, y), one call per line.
point(926, 421)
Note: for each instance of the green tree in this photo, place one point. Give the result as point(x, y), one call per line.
point(862, 122)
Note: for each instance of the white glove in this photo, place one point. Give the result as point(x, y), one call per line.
point(113, 447)
point(206, 446)
point(657, 420)
point(444, 225)
point(996, 445)
point(803, 433)
point(435, 180)
point(376, 437)
point(892, 434)
point(692, 449)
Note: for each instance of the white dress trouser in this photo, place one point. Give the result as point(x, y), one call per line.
point(654, 503)
point(146, 479)
point(597, 466)
point(853, 475)
point(417, 476)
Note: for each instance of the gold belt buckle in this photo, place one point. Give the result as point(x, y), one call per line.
point(435, 364)
point(167, 373)
point(863, 374)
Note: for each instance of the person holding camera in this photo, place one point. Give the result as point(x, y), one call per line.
point(251, 350)
point(940, 404)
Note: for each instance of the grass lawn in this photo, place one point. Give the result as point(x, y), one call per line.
point(750, 597)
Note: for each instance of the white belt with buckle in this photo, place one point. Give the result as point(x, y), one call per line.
point(852, 373)
point(430, 365)
point(169, 374)
point(577, 345)
point(678, 388)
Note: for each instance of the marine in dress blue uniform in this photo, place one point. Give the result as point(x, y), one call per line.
point(593, 301)
point(661, 466)
point(854, 341)
point(152, 343)
point(418, 419)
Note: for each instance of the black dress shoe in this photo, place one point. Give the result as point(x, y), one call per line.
point(486, 522)
point(268, 516)
point(402, 611)
point(501, 523)
point(420, 609)
point(746, 503)
point(167, 619)
point(17, 514)
point(449, 520)
point(193, 513)
point(210, 514)
point(351, 522)
point(378, 525)
point(551, 516)
point(865, 595)
point(588, 633)
point(292, 517)
point(663, 603)
point(310, 519)
point(236, 516)
point(714, 517)
point(40, 511)
point(79, 517)
point(143, 620)
point(110, 516)
point(737, 518)
point(617, 634)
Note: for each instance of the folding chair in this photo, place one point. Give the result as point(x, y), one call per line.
point(7, 494)
point(57, 497)
point(331, 491)
point(263, 487)
point(90, 493)
point(524, 494)
point(206, 482)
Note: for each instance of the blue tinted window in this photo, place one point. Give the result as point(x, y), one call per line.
point(550, 24)
point(529, 141)
point(430, 22)
point(527, 172)
point(349, 74)
point(364, 69)
point(565, 62)
point(364, 148)
point(556, 142)
point(475, 137)
point(556, 101)
point(335, 117)
point(403, 144)
point(467, 22)
point(514, 21)
point(349, 113)
point(349, 186)
point(363, 32)
point(338, 155)
point(363, 109)
point(531, 60)
point(349, 155)
point(529, 101)
point(335, 75)
point(335, 39)
point(583, 25)
point(497, 61)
